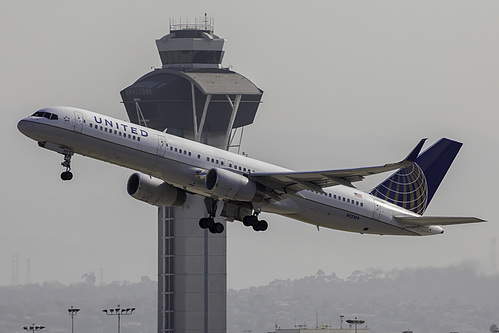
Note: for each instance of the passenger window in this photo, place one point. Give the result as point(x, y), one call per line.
point(216, 161)
point(208, 159)
point(180, 151)
point(129, 136)
point(105, 129)
point(199, 156)
point(212, 160)
point(133, 137)
point(138, 138)
point(176, 150)
point(361, 204)
point(101, 128)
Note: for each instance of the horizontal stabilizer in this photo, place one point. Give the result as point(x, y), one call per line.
point(437, 220)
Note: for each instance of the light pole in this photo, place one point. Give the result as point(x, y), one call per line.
point(33, 328)
point(72, 312)
point(119, 312)
point(355, 322)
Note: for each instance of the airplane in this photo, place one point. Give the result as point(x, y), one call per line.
point(168, 167)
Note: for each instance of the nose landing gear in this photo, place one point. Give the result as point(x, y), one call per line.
point(67, 175)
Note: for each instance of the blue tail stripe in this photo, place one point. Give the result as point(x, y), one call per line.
point(413, 187)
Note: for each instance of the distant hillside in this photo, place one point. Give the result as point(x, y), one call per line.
point(425, 300)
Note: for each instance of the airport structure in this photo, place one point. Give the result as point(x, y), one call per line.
point(194, 97)
point(353, 327)
point(323, 330)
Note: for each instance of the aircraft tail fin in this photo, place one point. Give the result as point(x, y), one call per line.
point(413, 187)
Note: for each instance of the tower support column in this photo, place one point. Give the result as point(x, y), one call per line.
point(192, 278)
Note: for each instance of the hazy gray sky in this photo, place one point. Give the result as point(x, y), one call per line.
point(347, 84)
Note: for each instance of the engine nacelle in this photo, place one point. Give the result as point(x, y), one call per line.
point(154, 191)
point(230, 185)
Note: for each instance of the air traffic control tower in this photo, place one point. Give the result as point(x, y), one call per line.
point(194, 97)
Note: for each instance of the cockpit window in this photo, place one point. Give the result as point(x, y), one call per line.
point(48, 115)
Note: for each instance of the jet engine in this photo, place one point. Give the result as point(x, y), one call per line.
point(154, 191)
point(230, 185)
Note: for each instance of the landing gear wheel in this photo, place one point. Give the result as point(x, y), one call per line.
point(206, 222)
point(262, 225)
point(67, 175)
point(210, 222)
point(250, 220)
point(202, 223)
point(217, 228)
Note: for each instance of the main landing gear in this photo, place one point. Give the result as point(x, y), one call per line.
point(252, 221)
point(216, 227)
point(67, 175)
point(209, 222)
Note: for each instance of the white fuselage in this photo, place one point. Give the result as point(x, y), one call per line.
point(182, 163)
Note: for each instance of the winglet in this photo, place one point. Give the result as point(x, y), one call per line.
point(415, 152)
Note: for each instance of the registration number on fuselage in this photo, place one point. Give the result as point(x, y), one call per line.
point(353, 216)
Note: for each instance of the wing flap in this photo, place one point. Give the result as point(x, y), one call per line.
point(436, 220)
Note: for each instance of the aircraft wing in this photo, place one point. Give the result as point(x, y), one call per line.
point(437, 220)
point(286, 182)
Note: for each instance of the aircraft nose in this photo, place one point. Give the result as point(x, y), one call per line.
point(25, 126)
